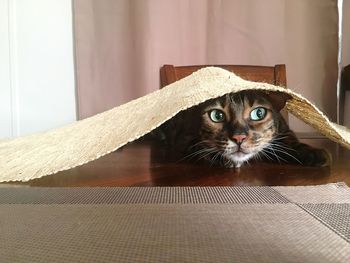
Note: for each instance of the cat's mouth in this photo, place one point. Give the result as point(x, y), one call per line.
point(237, 153)
point(236, 150)
point(240, 150)
point(238, 156)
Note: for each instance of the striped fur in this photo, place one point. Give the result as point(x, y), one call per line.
point(196, 136)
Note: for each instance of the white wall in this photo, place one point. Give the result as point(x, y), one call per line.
point(5, 86)
point(37, 86)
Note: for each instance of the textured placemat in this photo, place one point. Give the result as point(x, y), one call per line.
point(84, 141)
point(179, 224)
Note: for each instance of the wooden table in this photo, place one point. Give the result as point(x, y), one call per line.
point(144, 163)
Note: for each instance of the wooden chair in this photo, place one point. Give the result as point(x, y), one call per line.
point(273, 75)
point(344, 86)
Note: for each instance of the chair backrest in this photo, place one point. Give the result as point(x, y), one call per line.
point(273, 75)
point(344, 86)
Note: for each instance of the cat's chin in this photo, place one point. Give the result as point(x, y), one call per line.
point(238, 158)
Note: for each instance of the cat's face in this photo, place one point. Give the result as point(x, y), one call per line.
point(238, 126)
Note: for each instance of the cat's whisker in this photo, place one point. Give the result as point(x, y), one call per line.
point(276, 157)
point(279, 146)
point(213, 159)
point(280, 138)
point(274, 153)
point(228, 163)
point(203, 153)
point(199, 152)
point(218, 155)
point(286, 153)
point(257, 157)
point(266, 154)
point(283, 135)
point(282, 145)
point(204, 142)
point(207, 153)
point(279, 157)
point(221, 158)
point(207, 143)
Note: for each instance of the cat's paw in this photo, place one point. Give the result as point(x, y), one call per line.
point(317, 158)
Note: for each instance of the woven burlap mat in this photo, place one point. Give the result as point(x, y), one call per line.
point(179, 224)
point(34, 156)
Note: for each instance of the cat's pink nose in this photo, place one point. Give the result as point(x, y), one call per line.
point(239, 138)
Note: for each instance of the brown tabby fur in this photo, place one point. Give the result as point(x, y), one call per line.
point(194, 134)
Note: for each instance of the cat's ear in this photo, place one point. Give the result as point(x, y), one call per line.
point(278, 99)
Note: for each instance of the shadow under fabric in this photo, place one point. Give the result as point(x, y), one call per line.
point(34, 156)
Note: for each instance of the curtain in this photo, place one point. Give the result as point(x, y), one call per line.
point(121, 44)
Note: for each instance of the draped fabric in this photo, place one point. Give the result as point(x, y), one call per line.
point(120, 45)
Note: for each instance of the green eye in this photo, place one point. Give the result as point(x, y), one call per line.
point(217, 115)
point(258, 114)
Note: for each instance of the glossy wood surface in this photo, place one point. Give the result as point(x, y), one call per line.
point(148, 164)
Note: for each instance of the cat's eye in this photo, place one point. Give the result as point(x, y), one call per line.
point(258, 114)
point(217, 115)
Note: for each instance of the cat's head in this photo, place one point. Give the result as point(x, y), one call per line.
point(238, 126)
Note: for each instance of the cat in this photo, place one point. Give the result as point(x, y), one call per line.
point(233, 129)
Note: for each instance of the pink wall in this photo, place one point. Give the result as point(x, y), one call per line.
point(120, 45)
